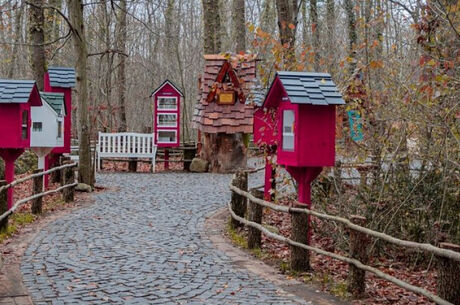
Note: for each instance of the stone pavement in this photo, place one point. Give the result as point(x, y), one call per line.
point(141, 242)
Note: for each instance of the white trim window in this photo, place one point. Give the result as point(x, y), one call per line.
point(167, 103)
point(167, 119)
point(288, 130)
point(37, 126)
point(25, 125)
point(59, 129)
point(167, 136)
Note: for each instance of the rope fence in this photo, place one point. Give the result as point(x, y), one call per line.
point(360, 239)
point(68, 184)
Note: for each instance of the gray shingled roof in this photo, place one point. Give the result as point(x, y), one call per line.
point(55, 100)
point(62, 77)
point(15, 91)
point(256, 94)
point(310, 88)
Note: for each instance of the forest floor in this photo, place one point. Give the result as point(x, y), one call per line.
point(330, 274)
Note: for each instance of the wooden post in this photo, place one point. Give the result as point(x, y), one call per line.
point(189, 154)
point(68, 177)
point(166, 159)
point(37, 203)
point(238, 203)
point(3, 206)
point(359, 243)
point(255, 215)
point(300, 258)
point(63, 160)
point(132, 165)
point(448, 286)
point(56, 175)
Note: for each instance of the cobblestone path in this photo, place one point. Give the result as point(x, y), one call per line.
point(140, 243)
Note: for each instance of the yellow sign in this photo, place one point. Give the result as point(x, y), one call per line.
point(227, 98)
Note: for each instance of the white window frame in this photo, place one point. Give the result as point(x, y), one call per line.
point(25, 126)
point(166, 109)
point(290, 134)
point(168, 130)
point(166, 113)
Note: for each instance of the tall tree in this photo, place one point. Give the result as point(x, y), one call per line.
point(352, 35)
point(239, 25)
point(37, 39)
point(287, 24)
point(121, 39)
point(17, 37)
point(81, 48)
point(315, 31)
point(211, 30)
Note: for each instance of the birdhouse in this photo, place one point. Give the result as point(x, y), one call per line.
point(298, 115)
point(62, 80)
point(47, 130)
point(167, 104)
point(16, 99)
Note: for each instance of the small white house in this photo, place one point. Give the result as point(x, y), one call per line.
point(47, 128)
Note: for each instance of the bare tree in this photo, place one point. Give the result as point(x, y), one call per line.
point(81, 48)
point(239, 25)
point(37, 38)
point(121, 38)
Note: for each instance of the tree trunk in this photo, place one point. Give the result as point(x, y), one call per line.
point(17, 37)
point(315, 32)
point(352, 36)
point(79, 39)
point(224, 152)
point(239, 25)
point(122, 35)
point(37, 40)
point(287, 24)
point(211, 23)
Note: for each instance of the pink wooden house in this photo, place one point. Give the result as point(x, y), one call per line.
point(166, 120)
point(16, 98)
point(166, 117)
point(298, 116)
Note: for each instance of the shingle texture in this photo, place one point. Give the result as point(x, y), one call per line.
point(310, 88)
point(209, 116)
point(62, 77)
point(55, 100)
point(15, 91)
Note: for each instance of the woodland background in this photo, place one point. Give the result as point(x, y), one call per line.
point(395, 61)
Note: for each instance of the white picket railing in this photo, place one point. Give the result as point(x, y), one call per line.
point(126, 145)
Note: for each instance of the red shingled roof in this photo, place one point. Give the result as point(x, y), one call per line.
point(209, 116)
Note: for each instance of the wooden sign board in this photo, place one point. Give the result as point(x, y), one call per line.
point(226, 98)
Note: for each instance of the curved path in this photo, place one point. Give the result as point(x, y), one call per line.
point(140, 243)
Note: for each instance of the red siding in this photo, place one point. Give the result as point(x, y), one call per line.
point(67, 119)
point(11, 129)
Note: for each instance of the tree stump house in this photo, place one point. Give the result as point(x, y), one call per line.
point(222, 114)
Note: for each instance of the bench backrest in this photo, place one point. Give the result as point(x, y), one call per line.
point(126, 144)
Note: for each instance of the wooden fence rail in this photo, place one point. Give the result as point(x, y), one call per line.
point(68, 172)
point(360, 233)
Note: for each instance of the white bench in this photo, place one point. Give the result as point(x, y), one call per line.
point(126, 145)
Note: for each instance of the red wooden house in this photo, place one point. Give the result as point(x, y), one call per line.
point(298, 116)
point(62, 80)
point(166, 119)
point(16, 98)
